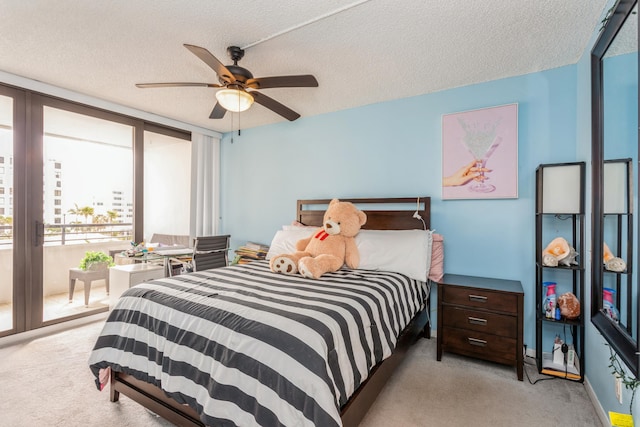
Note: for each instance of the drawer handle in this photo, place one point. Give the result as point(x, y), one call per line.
point(477, 298)
point(477, 321)
point(477, 342)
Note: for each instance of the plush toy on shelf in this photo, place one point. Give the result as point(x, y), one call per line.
point(559, 252)
point(329, 247)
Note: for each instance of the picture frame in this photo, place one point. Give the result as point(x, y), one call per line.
point(480, 153)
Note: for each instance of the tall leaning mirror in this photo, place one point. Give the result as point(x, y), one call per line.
point(615, 145)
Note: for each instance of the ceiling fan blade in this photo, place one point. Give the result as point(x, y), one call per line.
point(176, 84)
point(305, 80)
point(218, 112)
point(208, 58)
point(274, 106)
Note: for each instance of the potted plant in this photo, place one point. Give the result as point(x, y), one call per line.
point(96, 260)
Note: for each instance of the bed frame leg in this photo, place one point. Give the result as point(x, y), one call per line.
point(426, 331)
point(114, 395)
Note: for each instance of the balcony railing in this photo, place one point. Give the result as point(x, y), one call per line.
point(64, 247)
point(65, 234)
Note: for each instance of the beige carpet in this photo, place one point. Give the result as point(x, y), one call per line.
point(454, 392)
point(459, 391)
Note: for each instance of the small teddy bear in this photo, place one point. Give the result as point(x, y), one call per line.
point(329, 247)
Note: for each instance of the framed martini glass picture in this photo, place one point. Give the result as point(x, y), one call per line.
point(480, 153)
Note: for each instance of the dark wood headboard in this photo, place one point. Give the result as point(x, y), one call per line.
point(398, 215)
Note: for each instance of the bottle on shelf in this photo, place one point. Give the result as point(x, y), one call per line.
point(608, 305)
point(550, 300)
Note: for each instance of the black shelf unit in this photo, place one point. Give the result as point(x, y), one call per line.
point(618, 235)
point(560, 213)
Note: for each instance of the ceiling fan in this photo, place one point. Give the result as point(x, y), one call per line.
point(234, 82)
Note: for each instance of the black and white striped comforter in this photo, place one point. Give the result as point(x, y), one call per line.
point(246, 346)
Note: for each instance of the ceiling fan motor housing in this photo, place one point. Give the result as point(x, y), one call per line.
point(239, 73)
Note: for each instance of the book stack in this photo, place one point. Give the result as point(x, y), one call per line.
point(250, 252)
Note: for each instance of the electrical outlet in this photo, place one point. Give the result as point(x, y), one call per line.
point(618, 388)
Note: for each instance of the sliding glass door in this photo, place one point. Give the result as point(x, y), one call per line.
point(7, 314)
point(87, 207)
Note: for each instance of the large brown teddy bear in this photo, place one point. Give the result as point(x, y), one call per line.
point(329, 247)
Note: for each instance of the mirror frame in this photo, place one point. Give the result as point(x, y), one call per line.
point(626, 347)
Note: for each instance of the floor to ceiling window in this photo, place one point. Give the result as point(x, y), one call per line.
point(71, 182)
point(167, 184)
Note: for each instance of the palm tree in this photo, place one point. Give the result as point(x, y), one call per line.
point(75, 211)
point(86, 212)
point(112, 215)
point(6, 220)
point(100, 219)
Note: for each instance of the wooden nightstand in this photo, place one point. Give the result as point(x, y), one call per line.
point(481, 317)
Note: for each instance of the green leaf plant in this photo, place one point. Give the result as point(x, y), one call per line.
point(92, 257)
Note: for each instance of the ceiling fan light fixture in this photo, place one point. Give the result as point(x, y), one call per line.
point(234, 100)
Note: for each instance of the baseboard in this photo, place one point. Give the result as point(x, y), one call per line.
point(604, 419)
point(48, 330)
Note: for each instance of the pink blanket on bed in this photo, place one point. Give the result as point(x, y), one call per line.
point(437, 258)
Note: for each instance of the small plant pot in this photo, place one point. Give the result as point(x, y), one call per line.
point(95, 266)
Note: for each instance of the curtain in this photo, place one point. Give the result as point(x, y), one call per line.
point(205, 194)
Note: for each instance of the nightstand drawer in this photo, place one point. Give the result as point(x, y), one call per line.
point(479, 344)
point(479, 320)
point(480, 298)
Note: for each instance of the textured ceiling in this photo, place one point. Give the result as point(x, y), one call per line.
point(361, 52)
point(626, 40)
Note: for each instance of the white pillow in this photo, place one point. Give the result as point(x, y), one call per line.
point(403, 251)
point(284, 242)
point(299, 227)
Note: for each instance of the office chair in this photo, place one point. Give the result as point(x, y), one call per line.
point(210, 252)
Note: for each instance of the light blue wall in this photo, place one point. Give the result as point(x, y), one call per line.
point(394, 149)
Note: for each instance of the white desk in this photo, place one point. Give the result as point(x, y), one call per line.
point(156, 256)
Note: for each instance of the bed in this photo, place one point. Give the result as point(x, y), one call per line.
point(241, 345)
